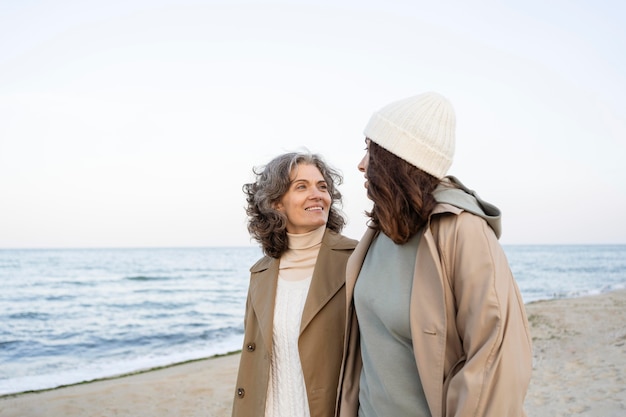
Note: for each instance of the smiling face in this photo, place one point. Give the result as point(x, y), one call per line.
point(307, 202)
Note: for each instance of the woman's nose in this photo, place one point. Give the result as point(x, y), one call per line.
point(316, 194)
point(361, 166)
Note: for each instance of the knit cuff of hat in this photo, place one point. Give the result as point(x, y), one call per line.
point(411, 147)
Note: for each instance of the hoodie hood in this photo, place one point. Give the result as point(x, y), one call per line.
point(452, 191)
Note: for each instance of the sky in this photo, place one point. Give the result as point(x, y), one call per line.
point(135, 123)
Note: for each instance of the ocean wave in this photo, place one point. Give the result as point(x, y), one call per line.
point(147, 278)
point(28, 315)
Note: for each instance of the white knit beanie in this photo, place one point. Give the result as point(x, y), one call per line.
point(418, 129)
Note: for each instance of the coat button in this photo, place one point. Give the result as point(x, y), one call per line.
point(250, 347)
point(241, 392)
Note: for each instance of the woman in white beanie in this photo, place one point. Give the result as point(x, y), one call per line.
point(435, 322)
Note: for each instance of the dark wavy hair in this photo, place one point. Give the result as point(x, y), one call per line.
point(402, 194)
point(267, 225)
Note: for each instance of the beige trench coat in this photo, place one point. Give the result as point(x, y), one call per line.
point(469, 328)
point(321, 332)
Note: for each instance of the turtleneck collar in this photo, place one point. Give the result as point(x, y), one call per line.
point(298, 261)
point(306, 240)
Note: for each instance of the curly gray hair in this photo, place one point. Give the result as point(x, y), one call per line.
point(267, 225)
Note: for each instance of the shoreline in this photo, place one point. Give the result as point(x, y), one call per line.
point(118, 376)
point(202, 387)
point(579, 368)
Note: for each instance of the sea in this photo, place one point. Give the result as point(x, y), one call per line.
point(74, 315)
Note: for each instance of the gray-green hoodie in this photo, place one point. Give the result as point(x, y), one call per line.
point(460, 196)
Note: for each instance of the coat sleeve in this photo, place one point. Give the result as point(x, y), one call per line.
point(493, 378)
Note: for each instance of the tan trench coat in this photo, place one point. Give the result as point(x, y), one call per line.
point(321, 333)
point(470, 333)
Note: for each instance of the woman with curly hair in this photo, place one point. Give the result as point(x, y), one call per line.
point(295, 312)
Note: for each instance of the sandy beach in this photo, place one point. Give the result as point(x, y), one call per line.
point(579, 370)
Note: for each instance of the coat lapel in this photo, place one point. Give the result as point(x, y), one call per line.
point(428, 320)
point(356, 262)
point(262, 294)
point(328, 276)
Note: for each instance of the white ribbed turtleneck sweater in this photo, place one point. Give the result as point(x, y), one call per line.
point(286, 393)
